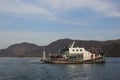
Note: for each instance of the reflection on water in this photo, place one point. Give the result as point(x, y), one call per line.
point(32, 69)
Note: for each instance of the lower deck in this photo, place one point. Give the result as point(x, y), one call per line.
point(91, 61)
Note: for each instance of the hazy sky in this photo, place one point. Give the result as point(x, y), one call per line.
point(44, 21)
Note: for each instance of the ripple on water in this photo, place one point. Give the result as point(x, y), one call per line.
point(29, 69)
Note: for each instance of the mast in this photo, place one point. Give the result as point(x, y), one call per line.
point(44, 56)
point(72, 44)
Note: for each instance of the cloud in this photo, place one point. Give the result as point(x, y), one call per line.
point(104, 6)
point(50, 7)
point(20, 7)
point(52, 10)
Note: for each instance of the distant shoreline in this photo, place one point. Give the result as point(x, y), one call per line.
point(21, 57)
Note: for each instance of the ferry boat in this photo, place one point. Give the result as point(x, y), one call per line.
point(74, 55)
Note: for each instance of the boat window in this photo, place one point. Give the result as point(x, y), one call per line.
point(73, 50)
point(77, 50)
point(80, 49)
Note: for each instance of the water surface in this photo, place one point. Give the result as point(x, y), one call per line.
point(33, 69)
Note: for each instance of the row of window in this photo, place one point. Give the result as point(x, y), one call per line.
point(77, 50)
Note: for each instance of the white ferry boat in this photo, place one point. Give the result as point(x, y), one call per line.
point(75, 55)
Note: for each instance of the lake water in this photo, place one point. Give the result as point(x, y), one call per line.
point(32, 69)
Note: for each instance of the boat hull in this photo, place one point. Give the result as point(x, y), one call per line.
point(74, 62)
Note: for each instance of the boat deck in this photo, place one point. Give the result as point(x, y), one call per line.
point(92, 61)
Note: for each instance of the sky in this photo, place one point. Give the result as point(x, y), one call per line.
point(44, 21)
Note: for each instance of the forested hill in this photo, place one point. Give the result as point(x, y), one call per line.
point(111, 48)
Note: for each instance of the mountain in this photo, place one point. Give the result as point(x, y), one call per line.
point(111, 48)
point(21, 50)
point(55, 46)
